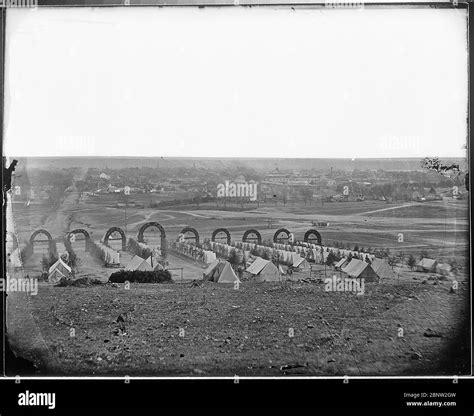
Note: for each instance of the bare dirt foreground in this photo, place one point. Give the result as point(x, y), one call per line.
point(216, 330)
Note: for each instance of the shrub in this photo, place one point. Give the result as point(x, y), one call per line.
point(136, 276)
point(331, 258)
point(96, 252)
point(53, 250)
point(135, 248)
point(81, 282)
point(411, 262)
point(48, 261)
point(72, 257)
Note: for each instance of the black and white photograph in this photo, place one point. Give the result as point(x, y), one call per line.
point(236, 191)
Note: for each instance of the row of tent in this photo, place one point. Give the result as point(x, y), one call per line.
point(221, 248)
point(379, 269)
point(261, 270)
point(314, 252)
point(154, 249)
point(111, 256)
point(190, 250)
point(370, 272)
point(60, 269)
point(433, 266)
point(291, 258)
point(296, 259)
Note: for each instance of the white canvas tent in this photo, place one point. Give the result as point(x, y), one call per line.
point(227, 274)
point(301, 264)
point(262, 270)
point(341, 263)
point(383, 269)
point(209, 256)
point(444, 269)
point(220, 272)
point(154, 263)
point(295, 257)
point(210, 268)
point(138, 264)
point(361, 269)
point(58, 270)
point(426, 265)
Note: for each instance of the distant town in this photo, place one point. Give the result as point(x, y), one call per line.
point(280, 186)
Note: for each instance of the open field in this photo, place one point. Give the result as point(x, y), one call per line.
point(433, 229)
point(247, 331)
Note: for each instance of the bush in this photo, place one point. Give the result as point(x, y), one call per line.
point(331, 258)
point(136, 276)
point(81, 282)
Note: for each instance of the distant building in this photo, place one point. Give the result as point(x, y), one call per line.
point(298, 181)
point(276, 176)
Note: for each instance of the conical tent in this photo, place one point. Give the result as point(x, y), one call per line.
point(61, 266)
point(227, 274)
point(134, 263)
point(153, 262)
point(137, 263)
point(220, 272)
point(58, 270)
point(216, 272)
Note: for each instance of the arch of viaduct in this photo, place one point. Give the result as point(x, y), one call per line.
point(251, 235)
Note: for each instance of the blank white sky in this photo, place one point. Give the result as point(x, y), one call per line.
point(236, 82)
